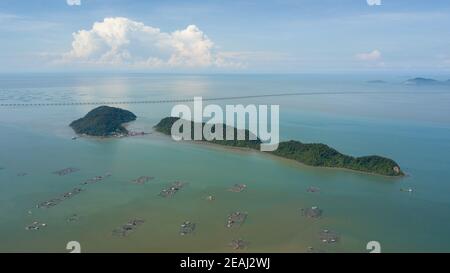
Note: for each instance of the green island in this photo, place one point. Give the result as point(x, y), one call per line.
point(312, 154)
point(165, 127)
point(103, 121)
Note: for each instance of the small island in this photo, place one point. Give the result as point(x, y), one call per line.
point(376, 82)
point(103, 121)
point(318, 154)
point(314, 154)
point(423, 81)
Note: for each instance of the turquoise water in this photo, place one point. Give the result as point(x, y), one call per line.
point(409, 124)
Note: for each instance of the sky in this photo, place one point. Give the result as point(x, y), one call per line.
point(235, 36)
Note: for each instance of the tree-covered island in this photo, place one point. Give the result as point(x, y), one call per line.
point(103, 121)
point(313, 154)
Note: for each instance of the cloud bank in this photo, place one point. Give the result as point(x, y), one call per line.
point(374, 55)
point(374, 2)
point(73, 2)
point(121, 41)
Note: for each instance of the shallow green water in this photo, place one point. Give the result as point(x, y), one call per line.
point(359, 207)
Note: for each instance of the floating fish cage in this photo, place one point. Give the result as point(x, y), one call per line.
point(236, 219)
point(55, 201)
point(48, 204)
point(66, 171)
point(328, 236)
point(238, 188)
point(313, 212)
point(172, 189)
point(96, 179)
point(187, 228)
point(73, 218)
point(35, 226)
point(128, 228)
point(142, 180)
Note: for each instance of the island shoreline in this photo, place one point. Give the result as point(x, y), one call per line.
point(274, 157)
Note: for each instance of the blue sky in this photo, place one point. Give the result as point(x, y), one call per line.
point(287, 36)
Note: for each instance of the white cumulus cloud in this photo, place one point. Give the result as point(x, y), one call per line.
point(121, 41)
point(73, 2)
point(374, 55)
point(374, 2)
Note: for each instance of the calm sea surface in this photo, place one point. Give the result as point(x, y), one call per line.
point(410, 124)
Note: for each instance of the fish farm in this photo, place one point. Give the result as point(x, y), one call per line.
point(238, 188)
point(328, 236)
point(313, 212)
point(128, 228)
point(142, 180)
point(187, 228)
point(172, 189)
point(66, 171)
point(96, 179)
point(55, 201)
point(236, 219)
point(36, 226)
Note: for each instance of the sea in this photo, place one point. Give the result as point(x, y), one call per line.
point(408, 123)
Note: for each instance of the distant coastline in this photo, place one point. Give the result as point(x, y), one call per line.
point(419, 81)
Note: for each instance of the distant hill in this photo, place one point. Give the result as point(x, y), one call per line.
point(103, 121)
point(376, 81)
point(314, 154)
point(424, 81)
